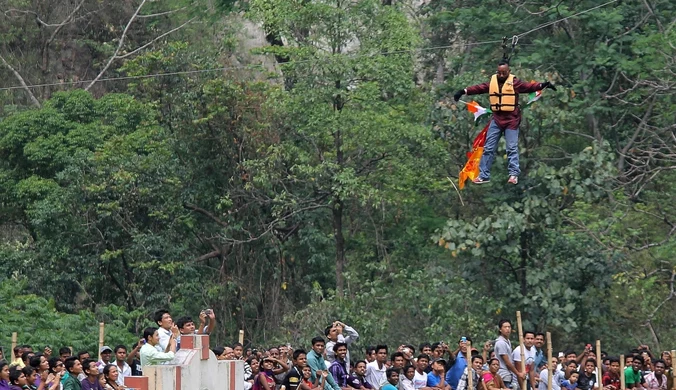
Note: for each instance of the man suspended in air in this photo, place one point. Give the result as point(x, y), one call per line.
point(503, 92)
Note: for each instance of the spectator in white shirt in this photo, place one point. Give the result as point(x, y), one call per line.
point(339, 333)
point(164, 322)
point(150, 355)
point(529, 354)
point(420, 377)
point(656, 380)
point(123, 368)
point(503, 352)
point(82, 356)
point(106, 354)
point(376, 370)
point(406, 380)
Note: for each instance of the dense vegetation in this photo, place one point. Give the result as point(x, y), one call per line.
point(292, 166)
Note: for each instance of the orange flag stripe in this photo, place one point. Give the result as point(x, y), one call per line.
point(471, 169)
point(472, 106)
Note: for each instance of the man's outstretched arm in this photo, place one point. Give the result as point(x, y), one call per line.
point(526, 87)
point(473, 90)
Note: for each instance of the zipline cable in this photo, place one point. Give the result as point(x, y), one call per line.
point(566, 18)
point(226, 68)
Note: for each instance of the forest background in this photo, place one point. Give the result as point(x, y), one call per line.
point(291, 167)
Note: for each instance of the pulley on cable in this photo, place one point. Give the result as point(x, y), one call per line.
point(508, 54)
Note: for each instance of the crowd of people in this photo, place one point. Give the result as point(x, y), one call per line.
point(327, 364)
point(436, 366)
point(30, 370)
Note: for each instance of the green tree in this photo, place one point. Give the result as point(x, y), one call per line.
point(523, 247)
point(91, 182)
point(611, 95)
point(34, 319)
point(350, 115)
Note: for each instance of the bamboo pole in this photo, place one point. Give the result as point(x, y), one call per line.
point(521, 348)
point(101, 334)
point(470, 376)
point(550, 369)
point(673, 365)
point(599, 375)
point(15, 337)
point(241, 336)
point(623, 386)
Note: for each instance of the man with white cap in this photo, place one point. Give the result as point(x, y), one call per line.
point(105, 352)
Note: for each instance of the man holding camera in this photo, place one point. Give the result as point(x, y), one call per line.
point(334, 333)
point(460, 362)
point(206, 327)
point(185, 325)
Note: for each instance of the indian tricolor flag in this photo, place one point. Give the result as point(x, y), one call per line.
point(534, 97)
point(477, 110)
point(471, 169)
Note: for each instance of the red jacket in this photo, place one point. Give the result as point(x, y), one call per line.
point(507, 119)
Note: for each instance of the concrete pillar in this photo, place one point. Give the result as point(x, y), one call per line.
point(195, 367)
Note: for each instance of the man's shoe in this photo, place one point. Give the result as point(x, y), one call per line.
point(479, 180)
point(513, 180)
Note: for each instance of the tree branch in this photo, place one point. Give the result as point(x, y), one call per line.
point(274, 223)
point(117, 56)
point(671, 295)
point(161, 13)
point(205, 213)
point(37, 18)
point(372, 161)
point(656, 340)
point(65, 21)
point(632, 139)
point(586, 230)
point(22, 82)
point(119, 46)
point(591, 137)
point(657, 19)
point(155, 39)
point(45, 47)
point(207, 256)
point(654, 244)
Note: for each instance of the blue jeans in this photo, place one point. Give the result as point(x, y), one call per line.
point(492, 138)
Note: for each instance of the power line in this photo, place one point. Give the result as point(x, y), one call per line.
point(118, 78)
point(567, 17)
point(226, 68)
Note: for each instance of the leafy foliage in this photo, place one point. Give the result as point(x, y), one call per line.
point(35, 318)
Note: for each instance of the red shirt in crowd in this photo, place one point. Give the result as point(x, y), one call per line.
point(610, 379)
